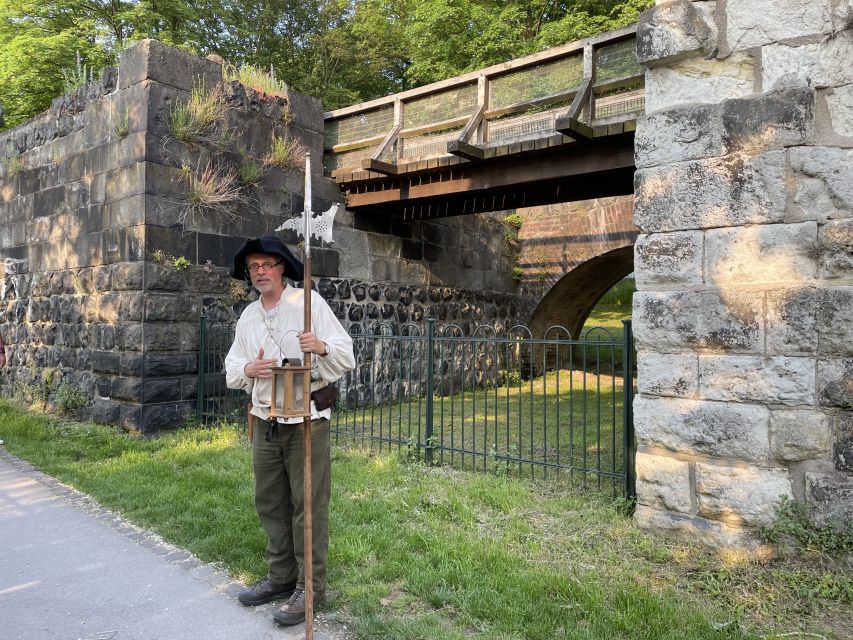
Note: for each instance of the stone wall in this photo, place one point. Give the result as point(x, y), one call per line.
point(744, 265)
point(107, 267)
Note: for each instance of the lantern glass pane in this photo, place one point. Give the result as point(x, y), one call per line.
point(298, 392)
point(279, 395)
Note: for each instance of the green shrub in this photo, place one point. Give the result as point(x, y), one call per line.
point(199, 120)
point(286, 153)
point(69, 398)
point(792, 524)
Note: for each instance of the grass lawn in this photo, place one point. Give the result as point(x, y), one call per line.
point(434, 553)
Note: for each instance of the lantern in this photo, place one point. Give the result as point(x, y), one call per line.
point(291, 391)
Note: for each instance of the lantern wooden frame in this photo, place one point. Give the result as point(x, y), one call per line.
point(287, 378)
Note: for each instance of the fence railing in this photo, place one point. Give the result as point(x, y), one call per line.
point(509, 403)
point(596, 81)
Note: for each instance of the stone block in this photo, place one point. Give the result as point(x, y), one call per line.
point(741, 495)
point(752, 23)
point(792, 321)
point(218, 249)
point(128, 276)
point(692, 529)
point(699, 81)
point(775, 254)
point(717, 429)
point(839, 101)
point(208, 279)
point(152, 60)
point(663, 374)
point(679, 134)
point(706, 320)
point(797, 435)
point(126, 389)
point(669, 259)
point(305, 112)
point(777, 380)
point(823, 182)
point(829, 498)
point(160, 389)
point(673, 30)
point(842, 448)
point(170, 308)
point(161, 336)
point(835, 383)
point(835, 329)
point(663, 482)
point(819, 65)
point(835, 242)
point(719, 192)
point(105, 361)
point(170, 364)
point(132, 364)
point(758, 123)
point(162, 277)
point(156, 417)
point(126, 181)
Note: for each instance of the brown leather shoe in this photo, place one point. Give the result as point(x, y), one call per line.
point(265, 590)
point(293, 611)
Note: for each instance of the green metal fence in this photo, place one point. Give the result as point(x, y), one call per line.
point(499, 401)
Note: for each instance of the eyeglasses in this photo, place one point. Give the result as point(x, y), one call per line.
point(262, 266)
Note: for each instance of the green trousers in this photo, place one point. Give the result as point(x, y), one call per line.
point(279, 498)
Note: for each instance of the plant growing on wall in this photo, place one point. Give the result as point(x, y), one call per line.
point(250, 75)
point(78, 76)
point(198, 121)
point(211, 191)
point(286, 153)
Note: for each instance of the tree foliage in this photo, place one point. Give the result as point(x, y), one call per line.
point(342, 51)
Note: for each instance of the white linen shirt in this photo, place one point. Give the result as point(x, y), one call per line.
point(284, 321)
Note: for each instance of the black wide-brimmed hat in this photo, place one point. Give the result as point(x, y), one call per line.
point(271, 245)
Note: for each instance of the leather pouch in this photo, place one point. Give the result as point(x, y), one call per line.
point(325, 397)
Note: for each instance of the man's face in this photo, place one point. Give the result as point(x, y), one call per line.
point(266, 272)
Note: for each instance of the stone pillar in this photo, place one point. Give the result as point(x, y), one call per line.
point(744, 266)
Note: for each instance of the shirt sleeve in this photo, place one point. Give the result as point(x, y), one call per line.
point(327, 328)
point(237, 359)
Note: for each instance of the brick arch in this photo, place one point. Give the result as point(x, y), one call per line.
point(571, 254)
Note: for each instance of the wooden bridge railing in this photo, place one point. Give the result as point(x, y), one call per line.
point(583, 89)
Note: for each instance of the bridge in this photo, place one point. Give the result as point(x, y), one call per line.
point(555, 126)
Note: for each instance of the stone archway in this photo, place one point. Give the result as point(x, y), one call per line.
point(569, 302)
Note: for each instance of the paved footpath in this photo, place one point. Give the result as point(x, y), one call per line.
point(71, 570)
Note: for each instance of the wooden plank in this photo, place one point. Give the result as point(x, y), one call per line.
point(390, 139)
point(473, 123)
point(465, 150)
point(385, 168)
point(615, 129)
point(356, 144)
point(528, 145)
point(630, 125)
point(574, 128)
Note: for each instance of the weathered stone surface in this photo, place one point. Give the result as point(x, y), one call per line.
point(660, 374)
point(835, 383)
point(721, 429)
point(752, 23)
point(835, 241)
point(170, 308)
point(777, 380)
point(676, 135)
point(663, 482)
point(840, 105)
point(830, 499)
point(842, 449)
point(669, 259)
point(691, 528)
point(706, 320)
point(797, 435)
point(835, 329)
point(792, 321)
point(758, 123)
point(824, 182)
point(699, 81)
point(672, 30)
point(773, 254)
point(152, 60)
point(738, 495)
point(818, 65)
point(733, 190)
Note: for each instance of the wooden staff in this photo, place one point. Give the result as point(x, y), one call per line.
point(307, 488)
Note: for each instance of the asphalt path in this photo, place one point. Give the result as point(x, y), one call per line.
point(71, 570)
